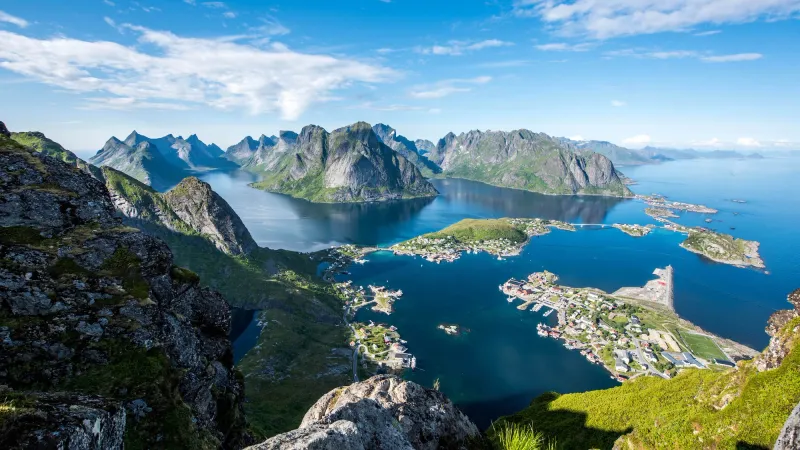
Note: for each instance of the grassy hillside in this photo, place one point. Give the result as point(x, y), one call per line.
point(719, 409)
point(472, 230)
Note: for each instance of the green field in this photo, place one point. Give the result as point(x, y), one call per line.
point(472, 230)
point(702, 346)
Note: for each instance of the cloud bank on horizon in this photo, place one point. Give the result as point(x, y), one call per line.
point(681, 73)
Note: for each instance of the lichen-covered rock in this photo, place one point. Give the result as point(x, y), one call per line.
point(789, 438)
point(3, 130)
point(90, 307)
point(780, 343)
point(383, 412)
point(60, 421)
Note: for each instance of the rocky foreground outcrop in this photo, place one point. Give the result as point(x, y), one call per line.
point(103, 341)
point(781, 342)
point(383, 412)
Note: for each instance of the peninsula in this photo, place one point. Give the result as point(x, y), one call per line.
point(659, 201)
point(499, 237)
point(632, 332)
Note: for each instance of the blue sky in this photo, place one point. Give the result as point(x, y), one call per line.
point(685, 73)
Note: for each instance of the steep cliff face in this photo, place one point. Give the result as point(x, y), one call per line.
point(206, 212)
point(348, 165)
point(384, 412)
point(140, 160)
point(782, 340)
point(96, 311)
point(191, 207)
point(405, 147)
point(525, 160)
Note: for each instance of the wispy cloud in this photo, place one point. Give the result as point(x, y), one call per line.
point(708, 33)
point(186, 72)
point(618, 103)
point(109, 3)
point(455, 48)
point(564, 47)
point(504, 64)
point(215, 5)
point(447, 87)
point(190, 2)
point(229, 15)
point(748, 142)
point(611, 18)
point(5, 17)
point(682, 54)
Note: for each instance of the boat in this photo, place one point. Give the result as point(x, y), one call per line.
point(549, 311)
point(413, 363)
point(510, 299)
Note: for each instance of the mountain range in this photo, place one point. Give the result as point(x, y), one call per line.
point(160, 162)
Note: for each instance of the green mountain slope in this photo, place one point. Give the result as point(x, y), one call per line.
point(522, 159)
point(39, 142)
point(704, 409)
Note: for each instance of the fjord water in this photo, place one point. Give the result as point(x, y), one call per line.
point(501, 364)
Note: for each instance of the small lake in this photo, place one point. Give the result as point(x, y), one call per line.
point(502, 364)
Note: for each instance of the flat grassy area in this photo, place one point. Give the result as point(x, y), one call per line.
point(473, 230)
point(702, 346)
point(681, 413)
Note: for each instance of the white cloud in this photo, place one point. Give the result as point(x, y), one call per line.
point(6, 17)
point(611, 18)
point(110, 21)
point(109, 2)
point(229, 15)
point(216, 5)
point(564, 47)
point(748, 142)
point(639, 139)
point(447, 87)
point(190, 2)
point(618, 103)
point(186, 71)
point(576, 138)
point(684, 54)
point(732, 58)
point(455, 48)
point(713, 142)
point(708, 33)
point(269, 27)
point(783, 143)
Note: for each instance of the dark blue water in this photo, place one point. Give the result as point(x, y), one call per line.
point(502, 364)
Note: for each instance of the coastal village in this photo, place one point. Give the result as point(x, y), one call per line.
point(634, 230)
point(502, 238)
point(632, 332)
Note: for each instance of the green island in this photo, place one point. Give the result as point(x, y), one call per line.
point(660, 202)
point(634, 230)
point(500, 237)
point(739, 407)
point(381, 349)
point(659, 212)
point(453, 329)
point(632, 332)
point(723, 248)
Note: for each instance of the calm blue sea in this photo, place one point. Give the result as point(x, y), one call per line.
point(501, 364)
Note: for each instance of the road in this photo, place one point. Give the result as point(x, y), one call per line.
point(650, 367)
point(355, 347)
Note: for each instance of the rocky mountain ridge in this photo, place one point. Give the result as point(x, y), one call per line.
point(189, 207)
point(525, 160)
point(349, 164)
point(96, 311)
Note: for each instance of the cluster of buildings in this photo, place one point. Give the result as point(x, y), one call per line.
point(382, 345)
point(449, 249)
point(660, 201)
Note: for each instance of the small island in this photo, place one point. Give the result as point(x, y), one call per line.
point(659, 213)
point(499, 237)
point(381, 345)
point(634, 230)
point(355, 298)
point(723, 248)
point(452, 329)
point(659, 201)
point(632, 332)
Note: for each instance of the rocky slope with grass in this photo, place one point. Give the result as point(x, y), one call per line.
point(522, 159)
point(42, 144)
point(349, 164)
point(104, 341)
point(383, 412)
